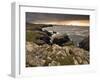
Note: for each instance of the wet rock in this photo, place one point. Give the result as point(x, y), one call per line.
point(48, 33)
point(39, 42)
point(69, 43)
point(85, 44)
point(60, 39)
point(46, 39)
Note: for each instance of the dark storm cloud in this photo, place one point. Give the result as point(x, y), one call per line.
point(46, 17)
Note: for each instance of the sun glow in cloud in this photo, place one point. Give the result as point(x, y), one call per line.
point(77, 23)
point(70, 22)
point(58, 19)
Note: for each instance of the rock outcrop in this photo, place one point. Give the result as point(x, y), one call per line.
point(38, 37)
point(85, 44)
point(54, 55)
point(44, 48)
point(60, 39)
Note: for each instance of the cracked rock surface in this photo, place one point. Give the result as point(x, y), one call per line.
point(54, 55)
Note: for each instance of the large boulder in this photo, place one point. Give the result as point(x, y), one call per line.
point(60, 39)
point(85, 44)
point(46, 39)
point(47, 32)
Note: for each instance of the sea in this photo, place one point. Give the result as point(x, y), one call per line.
point(75, 33)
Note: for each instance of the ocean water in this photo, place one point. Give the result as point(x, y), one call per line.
point(75, 33)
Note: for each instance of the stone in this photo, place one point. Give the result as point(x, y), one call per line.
point(30, 46)
point(85, 62)
point(54, 63)
point(60, 39)
point(79, 59)
point(85, 44)
point(75, 61)
point(54, 55)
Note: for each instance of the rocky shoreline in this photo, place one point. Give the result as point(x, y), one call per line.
point(54, 55)
point(44, 48)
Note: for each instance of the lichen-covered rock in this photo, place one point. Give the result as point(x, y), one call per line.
point(30, 46)
point(38, 37)
point(80, 55)
point(54, 63)
point(54, 55)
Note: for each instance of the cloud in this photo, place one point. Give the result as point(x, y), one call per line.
point(55, 18)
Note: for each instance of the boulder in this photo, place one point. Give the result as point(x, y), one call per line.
point(46, 39)
point(85, 44)
point(60, 39)
point(48, 33)
point(69, 43)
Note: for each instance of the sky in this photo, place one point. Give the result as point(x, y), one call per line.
point(57, 19)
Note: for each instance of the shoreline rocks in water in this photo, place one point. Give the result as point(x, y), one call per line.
point(54, 55)
point(44, 48)
point(60, 39)
point(45, 37)
point(85, 44)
